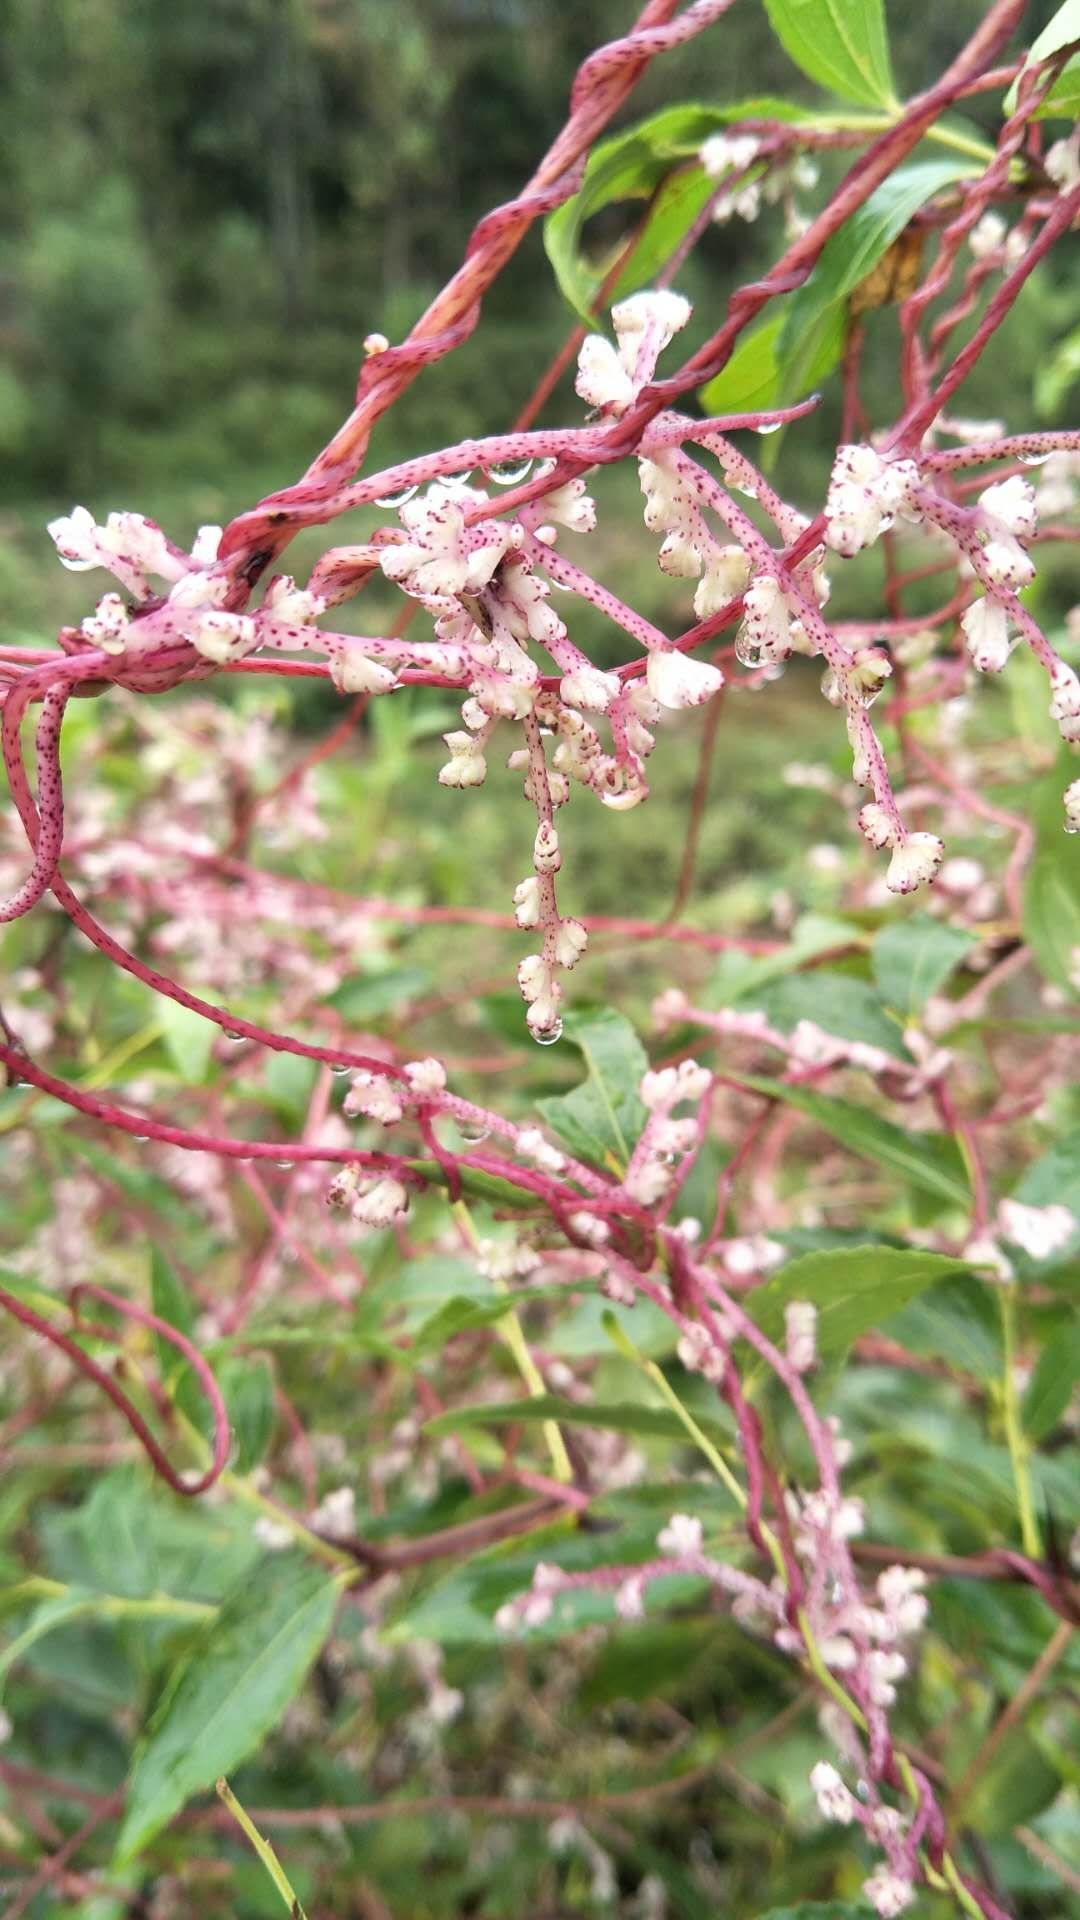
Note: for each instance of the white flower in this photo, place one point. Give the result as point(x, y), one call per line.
point(630, 1599)
point(883, 1669)
point(602, 381)
point(677, 680)
point(426, 1076)
point(204, 549)
point(766, 628)
point(199, 588)
point(648, 1182)
point(587, 687)
point(443, 557)
point(900, 1590)
point(1006, 564)
point(527, 902)
point(466, 766)
point(915, 862)
point(986, 634)
point(655, 316)
point(986, 235)
point(222, 637)
point(570, 943)
point(336, 1514)
point(590, 1228)
point(728, 153)
point(659, 1088)
point(571, 506)
point(1072, 807)
point(800, 1334)
point(1011, 505)
point(833, 1797)
point(352, 671)
point(1062, 163)
point(108, 626)
point(1065, 703)
point(865, 493)
point(888, 1892)
point(381, 1204)
point(532, 1146)
point(74, 536)
point(876, 825)
point(1040, 1231)
point(140, 543)
point(547, 857)
point(724, 578)
point(681, 1537)
point(286, 601)
point(375, 1096)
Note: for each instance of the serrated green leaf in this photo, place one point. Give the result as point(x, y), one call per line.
point(929, 1161)
point(853, 1290)
point(229, 1692)
point(601, 1120)
point(913, 958)
point(842, 44)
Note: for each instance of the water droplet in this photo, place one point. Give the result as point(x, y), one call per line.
point(509, 473)
point(236, 1038)
point(460, 479)
point(742, 487)
point(397, 499)
point(747, 649)
point(283, 1164)
point(140, 1139)
point(549, 1036)
point(473, 1130)
point(769, 426)
point(1069, 828)
point(1033, 459)
point(339, 1067)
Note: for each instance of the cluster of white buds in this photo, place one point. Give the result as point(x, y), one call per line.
point(771, 629)
point(442, 557)
point(372, 1200)
point(1008, 513)
point(1065, 701)
point(294, 606)
point(108, 626)
point(220, 636)
point(915, 861)
point(128, 545)
point(374, 1096)
point(664, 1140)
point(865, 495)
point(1039, 1231)
point(466, 766)
point(800, 1334)
point(540, 1153)
point(689, 548)
point(677, 680)
point(354, 671)
point(335, 1515)
point(610, 378)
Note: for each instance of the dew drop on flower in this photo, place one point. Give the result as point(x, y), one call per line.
point(750, 492)
point(769, 426)
point(397, 499)
point(473, 1130)
point(460, 479)
point(509, 473)
point(747, 650)
point(339, 1067)
point(1033, 459)
point(549, 1036)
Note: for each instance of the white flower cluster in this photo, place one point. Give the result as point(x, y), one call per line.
point(610, 378)
point(372, 1200)
point(655, 1161)
point(865, 495)
point(688, 549)
point(1008, 514)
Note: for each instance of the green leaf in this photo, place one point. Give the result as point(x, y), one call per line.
point(932, 1162)
point(229, 1692)
point(842, 44)
point(751, 380)
point(601, 1120)
point(1053, 1383)
point(817, 1910)
point(1062, 30)
point(172, 1303)
point(815, 318)
point(654, 161)
point(913, 958)
point(956, 1321)
point(1051, 916)
point(645, 1422)
point(248, 1387)
point(1017, 1784)
point(837, 1002)
point(853, 1290)
point(189, 1039)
